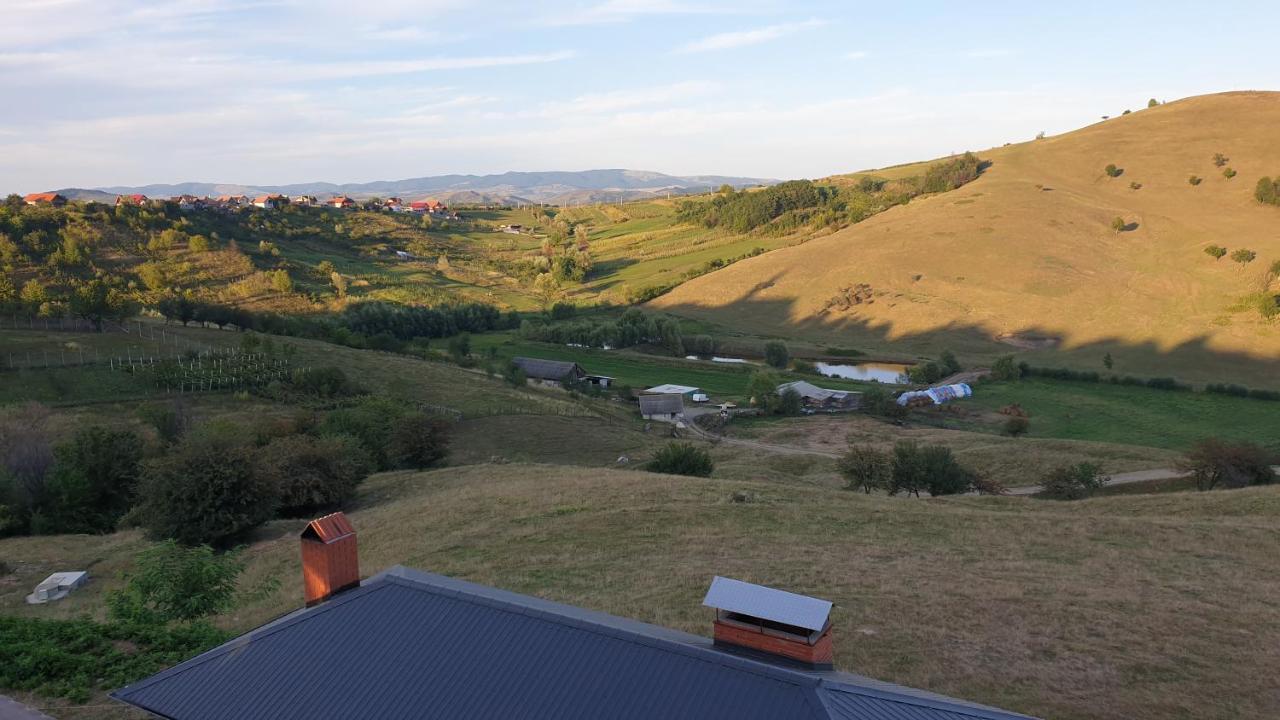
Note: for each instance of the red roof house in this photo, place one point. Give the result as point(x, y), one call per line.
point(45, 198)
point(341, 201)
point(135, 199)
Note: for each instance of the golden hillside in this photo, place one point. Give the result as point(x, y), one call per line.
point(1026, 255)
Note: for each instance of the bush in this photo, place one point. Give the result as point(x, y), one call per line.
point(419, 441)
point(1073, 482)
point(205, 491)
point(1219, 159)
point(950, 365)
point(312, 474)
point(1195, 180)
point(925, 373)
point(323, 382)
point(1228, 173)
point(1112, 171)
point(1268, 191)
point(877, 400)
point(1119, 225)
point(790, 402)
point(932, 468)
point(1244, 256)
point(1215, 463)
point(172, 583)
point(1135, 186)
point(1016, 426)
point(515, 376)
point(1217, 252)
point(681, 459)
point(369, 421)
point(93, 482)
point(460, 346)
point(776, 354)
point(1006, 368)
point(863, 467)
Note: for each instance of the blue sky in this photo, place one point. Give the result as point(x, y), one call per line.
point(104, 92)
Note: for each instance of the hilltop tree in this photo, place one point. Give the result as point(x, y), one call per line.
point(1244, 257)
point(1152, 103)
point(1217, 252)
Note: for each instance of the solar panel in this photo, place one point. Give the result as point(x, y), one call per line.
point(767, 603)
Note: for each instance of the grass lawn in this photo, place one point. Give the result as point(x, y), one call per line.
point(1132, 415)
point(1159, 606)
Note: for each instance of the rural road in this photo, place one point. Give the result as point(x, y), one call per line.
point(1126, 478)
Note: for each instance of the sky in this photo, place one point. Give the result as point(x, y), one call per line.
point(130, 92)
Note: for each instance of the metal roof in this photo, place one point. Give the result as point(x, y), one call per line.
point(540, 369)
point(661, 404)
point(329, 528)
point(809, 390)
point(412, 644)
point(669, 389)
point(767, 603)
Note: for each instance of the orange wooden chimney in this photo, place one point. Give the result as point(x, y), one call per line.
point(330, 560)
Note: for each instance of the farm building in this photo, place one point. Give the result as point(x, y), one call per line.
point(409, 644)
point(340, 201)
point(550, 372)
point(663, 408)
point(689, 392)
point(135, 199)
point(270, 202)
point(821, 398)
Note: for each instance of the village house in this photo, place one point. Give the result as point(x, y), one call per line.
point(411, 644)
point(135, 199)
point(689, 392)
point(270, 202)
point(45, 198)
point(662, 408)
point(304, 200)
point(550, 372)
point(187, 202)
point(341, 201)
point(231, 202)
point(816, 398)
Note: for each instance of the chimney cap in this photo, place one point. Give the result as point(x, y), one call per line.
point(768, 603)
point(329, 528)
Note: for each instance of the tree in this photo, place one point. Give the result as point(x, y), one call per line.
point(1113, 171)
point(1119, 225)
point(339, 284)
point(1073, 482)
point(943, 474)
point(1244, 257)
point(1215, 251)
point(547, 288)
point(925, 373)
point(1006, 368)
point(681, 459)
point(866, 468)
point(311, 474)
point(325, 269)
point(1268, 191)
point(950, 365)
point(460, 346)
point(1214, 462)
point(1016, 426)
point(419, 441)
point(96, 301)
point(776, 354)
point(93, 481)
point(205, 491)
point(280, 281)
point(515, 376)
point(762, 388)
point(790, 402)
point(1195, 180)
point(1107, 361)
point(1219, 159)
point(34, 293)
point(172, 583)
point(908, 474)
point(8, 292)
point(1152, 103)
point(198, 243)
point(1229, 173)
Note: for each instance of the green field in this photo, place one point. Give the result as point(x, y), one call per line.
point(1132, 415)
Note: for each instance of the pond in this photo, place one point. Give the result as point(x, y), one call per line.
point(876, 372)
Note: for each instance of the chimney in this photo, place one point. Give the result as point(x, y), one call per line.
point(771, 623)
point(330, 562)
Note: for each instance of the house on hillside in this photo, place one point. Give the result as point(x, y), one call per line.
point(411, 644)
point(186, 202)
point(550, 372)
point(689, 392)
point(231, 202)
point(817, 398)
point(662, 408)
point(45, 198)
point(341, 201)
point(270, 202)
point(137, 199)
point(304, 201)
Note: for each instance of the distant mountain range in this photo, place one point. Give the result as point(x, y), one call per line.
point(554, 187)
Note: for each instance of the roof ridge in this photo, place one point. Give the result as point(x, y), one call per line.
point(929, 700)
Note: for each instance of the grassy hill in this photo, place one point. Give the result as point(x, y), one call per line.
point(1153, 606)
point(1025, 258)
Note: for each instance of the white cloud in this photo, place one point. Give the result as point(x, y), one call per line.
point(620, 11)
point(989, 53)
point(857, 55)
point(743, 38)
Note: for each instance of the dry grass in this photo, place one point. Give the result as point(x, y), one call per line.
point(1027, 249)
point(1159, 606)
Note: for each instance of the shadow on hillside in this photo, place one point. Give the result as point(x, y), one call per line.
point(1192, 361)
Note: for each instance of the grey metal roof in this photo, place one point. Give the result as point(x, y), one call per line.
point(408, 644)
point(809, 390)
point(540, 369)
point(661, 404)
point(767, 603)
